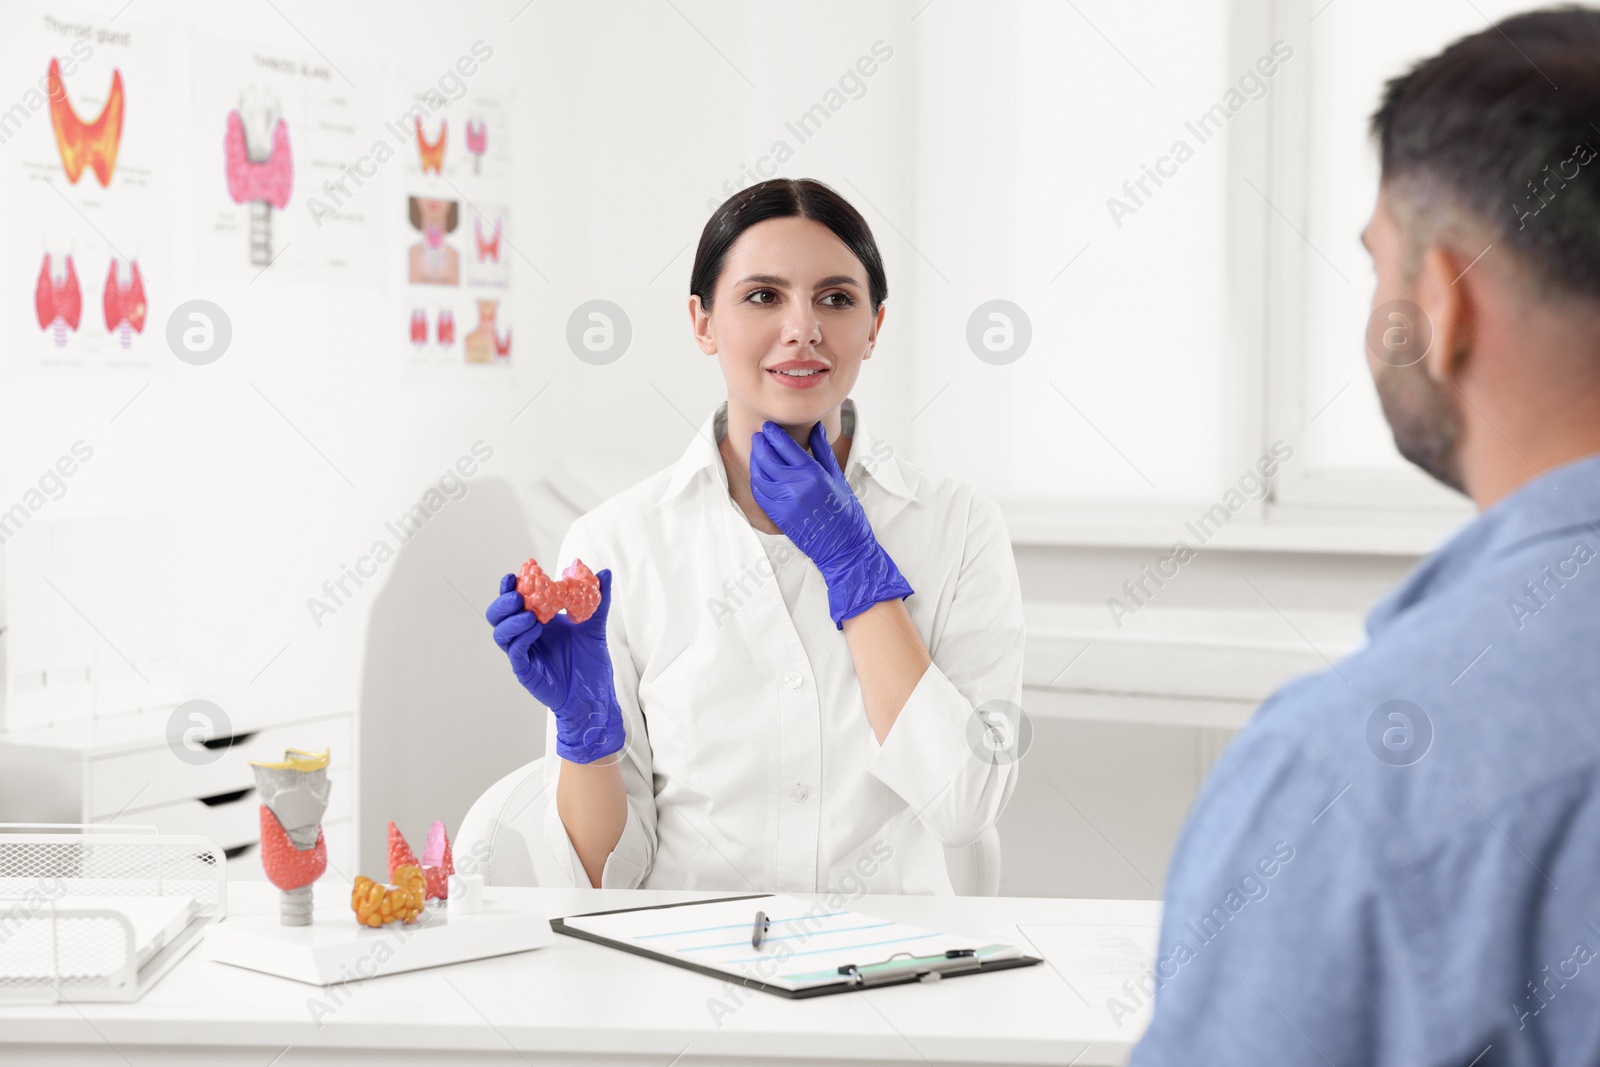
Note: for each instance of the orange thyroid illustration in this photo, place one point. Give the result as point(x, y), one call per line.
point(432, 155)
point(86, 145)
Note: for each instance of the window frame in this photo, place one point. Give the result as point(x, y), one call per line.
point(1362, 496)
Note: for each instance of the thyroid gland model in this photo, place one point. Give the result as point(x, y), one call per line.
point(125, 306)
point(294, 794)
point(415, 883)
point(577, 590)
point(58, 304)
point(260, 167)
point(91, 145)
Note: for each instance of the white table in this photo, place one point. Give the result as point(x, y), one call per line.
point(575, 1002)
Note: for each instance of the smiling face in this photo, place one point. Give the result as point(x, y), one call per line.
point(791, 297)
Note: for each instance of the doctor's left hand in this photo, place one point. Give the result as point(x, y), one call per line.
point(567, 667)
point(809, 499)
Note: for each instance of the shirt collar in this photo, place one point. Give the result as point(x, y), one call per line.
point(1565, 499)
point(871, 455)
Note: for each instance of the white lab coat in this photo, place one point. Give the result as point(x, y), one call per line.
point(750, 763)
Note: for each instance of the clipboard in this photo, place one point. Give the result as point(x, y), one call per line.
point(881, 969)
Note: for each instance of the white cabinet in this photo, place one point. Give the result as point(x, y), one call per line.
point(122, 770)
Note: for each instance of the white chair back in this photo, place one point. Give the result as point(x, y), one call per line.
point(503, 839)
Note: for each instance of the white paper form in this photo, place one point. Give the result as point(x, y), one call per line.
point(805, 945)
point(1107, 967)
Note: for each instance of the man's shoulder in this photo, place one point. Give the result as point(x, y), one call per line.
point(1459, 697)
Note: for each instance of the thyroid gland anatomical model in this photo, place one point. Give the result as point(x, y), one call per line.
point(414, 883)
point(437, 866)
point(83, 145)
point(578, 590)
point(260, 167)
point(125, 306)
point(59, 305)
point(294, 794)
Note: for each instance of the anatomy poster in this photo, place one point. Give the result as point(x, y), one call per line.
point(287, 178)
point(87, 166)
point(458, 238)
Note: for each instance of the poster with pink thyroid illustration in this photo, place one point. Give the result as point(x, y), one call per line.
point(289, 186)
point(461, 249)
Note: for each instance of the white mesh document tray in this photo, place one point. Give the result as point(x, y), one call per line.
point(100, 912)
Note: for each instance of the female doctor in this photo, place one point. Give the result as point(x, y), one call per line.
point(803, 641)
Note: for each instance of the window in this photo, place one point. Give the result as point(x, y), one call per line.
point(1322, 182)
point(1178, 216)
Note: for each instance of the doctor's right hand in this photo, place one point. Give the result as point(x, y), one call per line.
point(567, 668)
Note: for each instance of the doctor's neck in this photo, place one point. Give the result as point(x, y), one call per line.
point(744, 422)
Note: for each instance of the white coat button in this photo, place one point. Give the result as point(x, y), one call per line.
point(799, 794)
point(792, 679)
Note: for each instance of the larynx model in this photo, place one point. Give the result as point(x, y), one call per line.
point(294, 794)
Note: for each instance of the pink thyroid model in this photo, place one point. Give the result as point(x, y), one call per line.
point(578, 590)
point(437, 866)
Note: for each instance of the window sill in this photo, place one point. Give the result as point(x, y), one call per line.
point(1227, 660)
point(1353, 531)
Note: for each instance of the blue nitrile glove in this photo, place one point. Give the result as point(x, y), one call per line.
point(567, 668)
point(809, 499)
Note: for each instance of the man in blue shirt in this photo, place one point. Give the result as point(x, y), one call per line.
point(1398, 861)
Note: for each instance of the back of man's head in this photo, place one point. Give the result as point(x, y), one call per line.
point(1486, 241)
point(1501, 132)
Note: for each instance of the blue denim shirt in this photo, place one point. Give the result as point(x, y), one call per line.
point(1397, 861)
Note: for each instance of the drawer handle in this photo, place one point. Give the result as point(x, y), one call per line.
point(226, 798)
point(230, 740)
point(238, 850)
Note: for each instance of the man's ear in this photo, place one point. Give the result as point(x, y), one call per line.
point(1446, 292)
point(700, 323)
